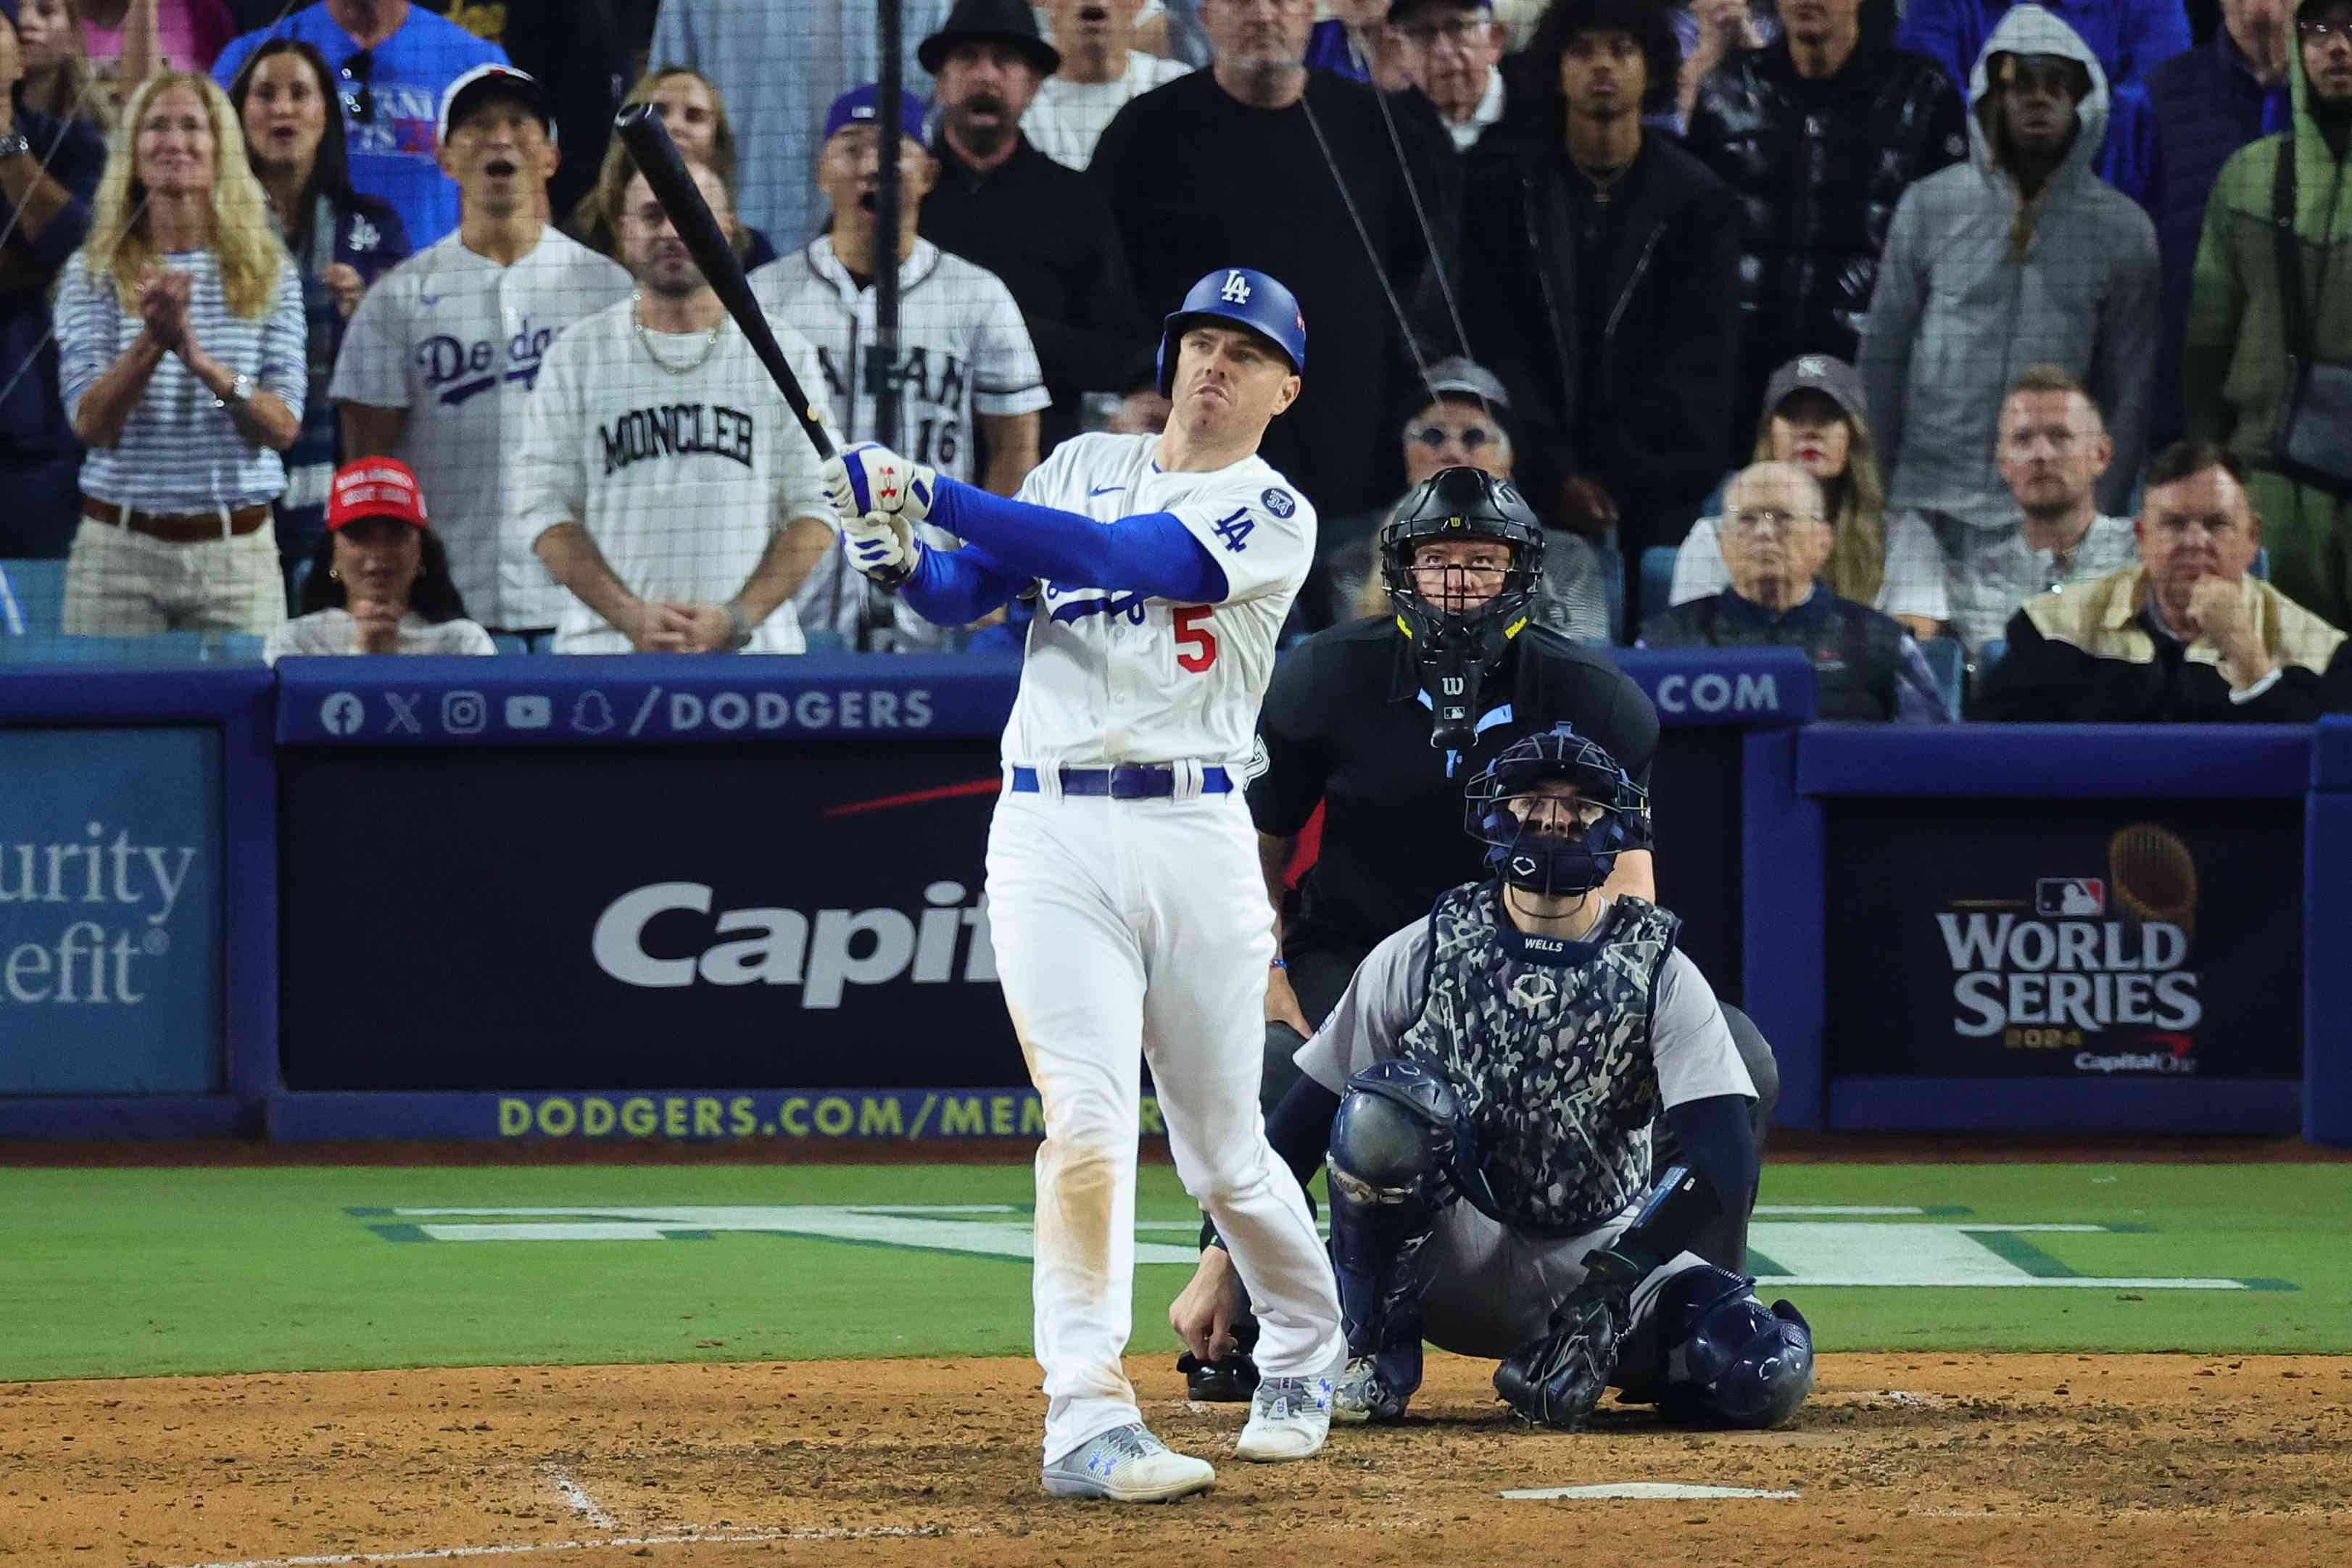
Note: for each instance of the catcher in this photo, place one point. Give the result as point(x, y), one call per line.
point(1482, 1098)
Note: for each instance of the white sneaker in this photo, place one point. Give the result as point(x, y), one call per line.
point(1289, 1418)
point(1128, 1464)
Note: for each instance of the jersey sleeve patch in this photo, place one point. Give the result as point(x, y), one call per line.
point(1278, 501)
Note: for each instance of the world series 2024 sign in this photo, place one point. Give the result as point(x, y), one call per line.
point(1984, 939)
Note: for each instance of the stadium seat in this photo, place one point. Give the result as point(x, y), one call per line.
point(161, 648)
point(1946, 661)
point(1989, 654)
point(32, 598)
point(508, 643)
point(231, 648)
point(1657, 580)
point(827, 641)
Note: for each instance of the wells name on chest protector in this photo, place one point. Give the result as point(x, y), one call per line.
point(1551, 1058)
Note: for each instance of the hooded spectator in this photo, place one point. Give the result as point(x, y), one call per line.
point(2019, 256)
point(2239, 359)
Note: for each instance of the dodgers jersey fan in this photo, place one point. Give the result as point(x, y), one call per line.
point(1117, 677)
point(679, 473)
point(456, 339)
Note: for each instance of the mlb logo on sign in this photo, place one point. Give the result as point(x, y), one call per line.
point(2084, 895)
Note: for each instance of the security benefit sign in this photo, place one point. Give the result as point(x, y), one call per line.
point(2124, 938)
point(519, 919)
point(109, 912)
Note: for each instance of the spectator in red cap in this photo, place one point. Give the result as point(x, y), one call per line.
point(378, 580)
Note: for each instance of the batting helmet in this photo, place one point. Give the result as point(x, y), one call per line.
point(1522, 851)
point(1247, 297)
point(1730, 1362)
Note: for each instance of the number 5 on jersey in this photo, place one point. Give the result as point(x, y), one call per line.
point(1196, 645)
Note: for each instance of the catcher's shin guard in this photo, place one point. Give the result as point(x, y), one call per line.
point(1386, 1167)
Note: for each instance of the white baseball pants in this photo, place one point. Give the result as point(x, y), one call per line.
point(1131, 931)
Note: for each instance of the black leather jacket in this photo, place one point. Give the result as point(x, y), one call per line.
point(1818, 168)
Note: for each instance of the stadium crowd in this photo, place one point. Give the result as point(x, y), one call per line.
point(1964, 345)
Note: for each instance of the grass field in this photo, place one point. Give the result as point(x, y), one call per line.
point(114, 1273)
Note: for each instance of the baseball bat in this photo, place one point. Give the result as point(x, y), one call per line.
point(640, 129)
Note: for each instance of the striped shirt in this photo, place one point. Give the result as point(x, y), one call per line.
point(179, 451)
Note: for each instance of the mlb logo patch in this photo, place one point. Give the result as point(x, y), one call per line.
point(2085, 895)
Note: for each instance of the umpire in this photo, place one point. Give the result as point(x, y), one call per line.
point(1383, 721)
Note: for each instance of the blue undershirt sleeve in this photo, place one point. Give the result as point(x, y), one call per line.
point(957, 587)
point(1152, 553)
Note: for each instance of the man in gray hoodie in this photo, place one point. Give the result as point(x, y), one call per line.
point(2020, 256)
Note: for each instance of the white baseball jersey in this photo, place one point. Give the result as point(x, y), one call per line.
point(964, 349)
point(456, 339)
point(1115, 677)
point(681, 476)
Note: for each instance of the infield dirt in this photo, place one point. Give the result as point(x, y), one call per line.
point(1901, 1459)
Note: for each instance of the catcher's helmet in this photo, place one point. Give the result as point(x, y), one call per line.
point(1729, 1360)
point(1244, 296)
point(1462, 502)
point(1563, 857)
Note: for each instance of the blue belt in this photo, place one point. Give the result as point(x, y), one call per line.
point(1136, 781)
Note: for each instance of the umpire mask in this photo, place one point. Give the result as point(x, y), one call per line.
point(1540, 837)
point(1459, 611)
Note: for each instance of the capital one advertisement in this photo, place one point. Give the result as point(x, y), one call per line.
point(2133, 939)
point(800, 918)
point(109, 912)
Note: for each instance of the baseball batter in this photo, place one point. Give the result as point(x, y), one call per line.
point(1483, 1097)
point(1123, 893)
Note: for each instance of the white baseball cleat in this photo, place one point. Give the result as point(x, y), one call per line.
point(1289, 1418)
point(1128, 1464)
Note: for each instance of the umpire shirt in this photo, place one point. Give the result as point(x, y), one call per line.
point(1345, 724)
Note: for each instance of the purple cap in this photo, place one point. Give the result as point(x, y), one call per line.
point(861, 105)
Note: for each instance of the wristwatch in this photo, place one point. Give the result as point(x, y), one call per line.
point(240, 389)
point(14, 144)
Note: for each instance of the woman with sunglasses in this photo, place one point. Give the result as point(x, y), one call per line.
point(341, 241)
point(696, 117)
point(1813, 418)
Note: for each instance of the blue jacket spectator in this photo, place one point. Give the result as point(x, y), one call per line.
point(41, 461)
point(390, 84)
point(2206, 104)
point(2131, 38)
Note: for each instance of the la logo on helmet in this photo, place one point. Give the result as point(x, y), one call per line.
point(1238, 289)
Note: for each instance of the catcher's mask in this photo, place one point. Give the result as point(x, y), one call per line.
point(1542, 835)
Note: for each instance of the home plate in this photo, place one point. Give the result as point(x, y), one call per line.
point(1668, 1491)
